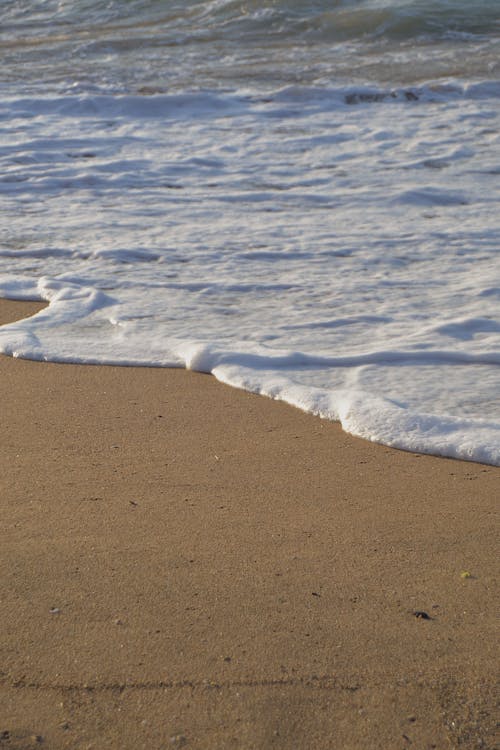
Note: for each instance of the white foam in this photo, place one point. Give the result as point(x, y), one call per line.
point(333, 248)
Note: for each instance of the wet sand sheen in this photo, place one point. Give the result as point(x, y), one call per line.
point(185, 564)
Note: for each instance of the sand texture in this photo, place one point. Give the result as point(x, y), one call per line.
point(188, 565)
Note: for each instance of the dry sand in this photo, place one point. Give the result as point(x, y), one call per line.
point(188, 565)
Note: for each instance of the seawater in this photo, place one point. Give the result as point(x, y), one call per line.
point(300, 198)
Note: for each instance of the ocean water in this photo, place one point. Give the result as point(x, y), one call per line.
point(301, 198)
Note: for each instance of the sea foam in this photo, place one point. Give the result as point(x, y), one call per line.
point(302, 209)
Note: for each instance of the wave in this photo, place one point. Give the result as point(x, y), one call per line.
point(298, 198)
point(157, 104)
point(325, 19)
point(52, 335)
point(233, 44)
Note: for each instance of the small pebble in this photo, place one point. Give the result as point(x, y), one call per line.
point(421, 615)
point(54, 611)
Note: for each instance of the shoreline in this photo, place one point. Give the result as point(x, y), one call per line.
point(401, 434)
point(191, 565)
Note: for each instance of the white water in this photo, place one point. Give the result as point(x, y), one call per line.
point(334, 246)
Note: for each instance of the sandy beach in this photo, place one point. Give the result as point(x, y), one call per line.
point(188, 565)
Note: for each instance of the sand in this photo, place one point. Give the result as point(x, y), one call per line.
point(188, 565)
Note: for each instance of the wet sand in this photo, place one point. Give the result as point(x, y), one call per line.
point(188, 565)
